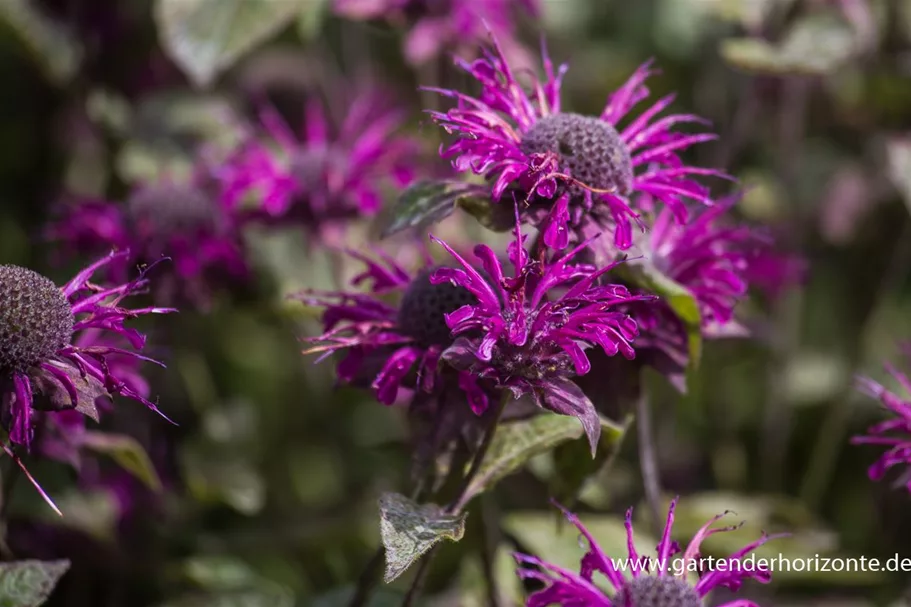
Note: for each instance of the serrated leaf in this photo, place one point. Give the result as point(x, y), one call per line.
point(425, 203)
point(55, 49)
point(206, 37)
point(644, 274)
point(409, 530)
point(127, 452)
point(815, 45)
point(573, 464)
point(517, 442)
point(29, 583)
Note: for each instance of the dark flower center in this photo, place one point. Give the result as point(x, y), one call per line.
point(36, 319)
point(589, 149)
point(423, 307)
point(657, 591)
point(168, 208)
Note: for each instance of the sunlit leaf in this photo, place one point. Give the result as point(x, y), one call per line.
point(815, 45)
point(206, 37)
point(409, 530)
point(55, 49)
point(127, 452)
point(29, 583)
point(428, 202)
point(516, 442)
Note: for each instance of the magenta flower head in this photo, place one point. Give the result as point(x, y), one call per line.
point(438, 26)
point(576, 173)
point(639, 581)
point(529, 332)
point(181, 220)
point(392, 345)
point(330, 173)
point(893, 434)
point(43, 365)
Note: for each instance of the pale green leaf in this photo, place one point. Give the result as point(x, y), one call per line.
point(206, 37)
point(127, 452)
point(409, 530)
point(425, 203)
point(29, 583)
point(54, 48)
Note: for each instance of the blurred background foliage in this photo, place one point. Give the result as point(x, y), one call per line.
point(270, 479)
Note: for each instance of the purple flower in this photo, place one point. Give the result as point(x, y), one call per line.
point(655, 581)
point(529, 332)
point(42, 366)
point(325, 176)
point(393, 346)
point(180, 220)
point(894, 433)
point(439, 25)
point(577, 173)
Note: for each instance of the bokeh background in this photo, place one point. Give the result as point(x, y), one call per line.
point(270, 479)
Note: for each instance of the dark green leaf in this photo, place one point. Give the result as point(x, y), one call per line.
point(205, 37)
point(228, 582)
point(517, 442)
point(382, 597)
point(495, 216)
point(127, 452)
point(409, 530)
point(815, 45)
point(55, 50)
point(29, 583)
point(573, 464)
point(427, 202)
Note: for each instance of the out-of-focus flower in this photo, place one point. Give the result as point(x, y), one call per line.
point(327, 175)
point(529, 332)
point(43, 365)
point(183, 221)
point(440, 25)
point(576, 173)
point(392, 345)
point(654, 582)
point(894, 434)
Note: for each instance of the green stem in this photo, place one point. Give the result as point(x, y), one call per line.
point(648, 460)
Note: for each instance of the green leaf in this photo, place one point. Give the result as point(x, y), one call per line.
point(55, 49)
point(311, 18)
point(127, 452)
point(644, 274)
point(29, 583)
point(498, 217)
point(517, 442)
point(425, 203)
point(574, 465)
point(815, 45)
point(341, 597)
point(409, 530)
point(216, 476)
point(228, 582)
point(206, 37)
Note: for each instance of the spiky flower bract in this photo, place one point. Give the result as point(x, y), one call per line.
point(43, 365)
point(439, 26)
point(658, 586)
point(179, 219)
point(528, 332)
point(893, 434)
point(392, 346)
point(330, 173)
point(577, 174)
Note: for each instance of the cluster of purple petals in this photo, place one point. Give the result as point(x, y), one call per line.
point(491, 132)
point(441, 26)
point(378, 349)
point(893, 434)
point(78, 374)
point(330, 173)
point(569, 589)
